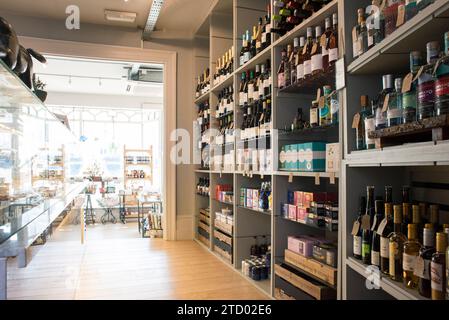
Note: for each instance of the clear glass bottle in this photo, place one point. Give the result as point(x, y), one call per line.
point(426, 83)
point(425, 255)
point(317, 54)
point(394, 112)
point(385, 229)
point(387, 88)
point(442, 81)
point(396, 246)
point(411, 252)
point(438, 268)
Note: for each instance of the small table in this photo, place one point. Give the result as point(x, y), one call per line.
point(108, 204)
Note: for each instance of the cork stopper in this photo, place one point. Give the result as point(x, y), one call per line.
point(388, 209)
point(397, 214)
point(441, 242)
point(412, 231)
point(434, 214)
point(416, 214)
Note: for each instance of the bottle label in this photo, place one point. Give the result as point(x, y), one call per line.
point(261, 90)
point(300, 71)
point(251, 91)
point(370, 125)
point(333, 54)
point(307, 67)
point(335, 106)
point(370, 40)
point(384, 247)
point(264, 37)
point(366, 249)
point(246, 57)
point(317, 62)
point(436, 275)
point(426, 93)
point(408, 262)
point(281, 80)
point(422, 268)
point(442, 86)
point(268, 28)
point(357, 245)
point(324, 51)
point(394, 113)
point(314, 116)
point(375, 258)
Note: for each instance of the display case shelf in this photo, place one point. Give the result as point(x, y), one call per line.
point(395, 289)
point(225, 83)
point(392, 54)
point(262, 57)
point(202, 98)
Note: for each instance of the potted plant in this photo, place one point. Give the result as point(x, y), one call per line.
point(39, 87)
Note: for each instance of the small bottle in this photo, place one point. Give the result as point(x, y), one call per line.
point(396, 246)
point(425, 255)
point(411, 252)
point(314, 114)
point(442, 82)
point(426, 83)
point(388, 88)
point(438, 268)
point(370, 126)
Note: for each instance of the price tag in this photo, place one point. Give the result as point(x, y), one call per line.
point(420, 71)
point(323, 41)
point(356, 121)
point(420, 267)
point(382, 225)
point(314, 49)
point(401, 16)
point(355, 228)
point(386, 101)
point(407, 83)
point(317, 179)
point(366, 222)
point(290, 177)
point(318, 94)
point(332, 178)
point(322, 102)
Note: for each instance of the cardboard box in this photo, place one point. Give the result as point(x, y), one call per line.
point(301, 215)
point(302, 245)
point(255, 199)
point(333, 157)
point(292, 212)
point(249, 198)
point(314, 157)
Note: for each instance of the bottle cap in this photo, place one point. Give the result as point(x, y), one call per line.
point(302, 41)
point(309, 32)
point(397, 214)
point(335, 19)
point(416, 214)
point(441, 242)
point(387, 81)
point(318, 31)
point(327, 23)
point(295, 42)
point(398, 84)
point(412, 231)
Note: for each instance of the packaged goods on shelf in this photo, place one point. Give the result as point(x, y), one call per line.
point(257, 199)
point(303, 157)
point(203, 83)
point(225, 216)
point(224, 193)
point(224, 67)
point(254, 160)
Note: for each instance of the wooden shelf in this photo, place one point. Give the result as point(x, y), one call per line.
point(262, 57)
point(225, 83)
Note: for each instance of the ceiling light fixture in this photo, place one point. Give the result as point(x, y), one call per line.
point(152, 17)
point(120, 16)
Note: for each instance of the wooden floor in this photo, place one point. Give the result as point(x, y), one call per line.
point(115, 263)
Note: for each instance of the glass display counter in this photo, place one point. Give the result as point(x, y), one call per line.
point(35, 150)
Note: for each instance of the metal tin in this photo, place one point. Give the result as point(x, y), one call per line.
point(387, 81)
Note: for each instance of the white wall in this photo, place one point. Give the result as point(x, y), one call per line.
point(48, 29)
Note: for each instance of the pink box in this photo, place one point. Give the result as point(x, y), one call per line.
point(255, 199)
point(249, 198)
point(298, 198)
point(292, 212)
point(302, 245)
point(301, 214)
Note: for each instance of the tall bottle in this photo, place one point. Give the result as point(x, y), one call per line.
point(384, 230)
point(370, 125)
point(396, 246)
point(281, 70)
point(357, 231)
point(375, 244)
point(317, 53)
point(300, 60)
point(366, 230)
point(287, 66)
point(362, 34)
point(293, 60)
point(307, 53)
point(438, 268)
point(435, 216)
point(332, 43)
point(406, 208)
point(360, 129)
point(394, 112)
point(424, 259)
point(388, 88)
point(426, 83)
point(411, 252)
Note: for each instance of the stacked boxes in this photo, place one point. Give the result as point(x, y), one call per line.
point(315, 208)
point(251, 199)
point(254, 160)
point(224, 193)
point(309, 157)
point(314, 247)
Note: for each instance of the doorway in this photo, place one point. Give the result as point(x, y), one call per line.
point(168, 60)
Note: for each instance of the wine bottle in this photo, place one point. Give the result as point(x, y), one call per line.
point(422, 270)
point(406, 209)
point(375, 244)
point(293, 60)
point(384, 230)
point(357, 231)
point(396, 246)
point(300, 60)
point(438, 268)
point(281, 70)
point(332, 43)
point(411, 252)
point(317, 53)
point(366, 229)
point(307, 53)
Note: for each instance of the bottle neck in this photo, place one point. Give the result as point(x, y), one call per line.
point(428, 238)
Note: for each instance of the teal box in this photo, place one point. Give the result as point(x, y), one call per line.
point(313, 157)
point(294, 163)
point(287, 158)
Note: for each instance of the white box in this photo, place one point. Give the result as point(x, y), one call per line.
point(333, 157)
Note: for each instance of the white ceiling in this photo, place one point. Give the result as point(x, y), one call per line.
point(176, 15)
point(93, 77)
